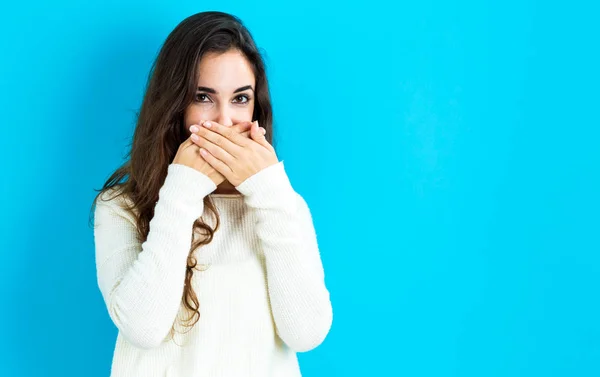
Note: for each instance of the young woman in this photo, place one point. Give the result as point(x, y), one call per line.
point(206, 257)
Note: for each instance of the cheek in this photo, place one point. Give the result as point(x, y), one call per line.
point(194, 114)
point(245, 113)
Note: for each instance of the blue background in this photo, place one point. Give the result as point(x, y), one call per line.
point(448, 151)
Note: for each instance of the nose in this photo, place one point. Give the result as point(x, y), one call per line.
point(225, 117)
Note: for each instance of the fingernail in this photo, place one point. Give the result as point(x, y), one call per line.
point(263, 131)
point(195, 137)
point(207, 124)
point(194, 129)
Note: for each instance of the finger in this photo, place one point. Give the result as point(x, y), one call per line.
point(242, 127)
point(217, 151)
point(259, 136)
point(228, 133)
point(216, 163)
point(256, 133)
point(205, 132)
point(214, 149)
point(187, 143)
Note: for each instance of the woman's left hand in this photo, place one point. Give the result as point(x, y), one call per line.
point(234, 156)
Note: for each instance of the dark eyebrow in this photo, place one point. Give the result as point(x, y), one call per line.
point(243, 88)
point(212, 91)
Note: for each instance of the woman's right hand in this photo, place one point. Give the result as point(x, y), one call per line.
point(189, 154)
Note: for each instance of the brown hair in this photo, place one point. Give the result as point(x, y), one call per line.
point(160, 127)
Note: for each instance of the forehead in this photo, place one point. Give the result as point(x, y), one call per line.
point(225, 72)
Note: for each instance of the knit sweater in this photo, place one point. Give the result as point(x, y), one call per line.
point(259, 282)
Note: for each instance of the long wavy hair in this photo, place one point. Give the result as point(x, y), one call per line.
point(160, 127)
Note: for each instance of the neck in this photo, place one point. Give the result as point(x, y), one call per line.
point(226, 188)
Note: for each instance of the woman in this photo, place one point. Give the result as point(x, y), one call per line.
point(207, 259)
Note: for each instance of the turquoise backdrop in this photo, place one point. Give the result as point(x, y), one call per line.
point(448, 151)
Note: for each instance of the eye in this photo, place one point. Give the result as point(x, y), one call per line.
point(243, 98)
point(201, 97)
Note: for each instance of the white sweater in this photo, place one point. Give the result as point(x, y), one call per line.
point(261, 286)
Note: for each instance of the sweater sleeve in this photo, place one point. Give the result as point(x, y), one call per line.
point(299, 298)
point(142, 284)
